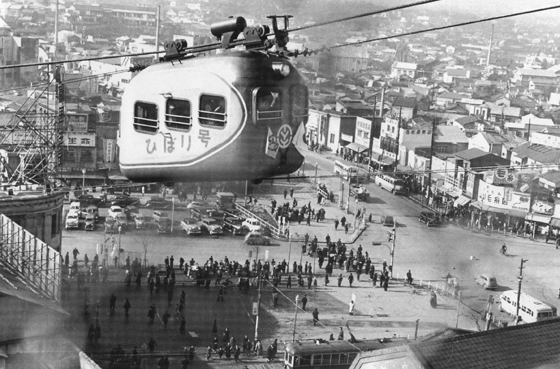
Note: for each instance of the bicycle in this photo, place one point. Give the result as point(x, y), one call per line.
point(503, 249)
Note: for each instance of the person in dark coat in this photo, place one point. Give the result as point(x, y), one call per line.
point(303, 302)
point(126, 307)
point(315, 316)
point(350, 279)
point(183, 326)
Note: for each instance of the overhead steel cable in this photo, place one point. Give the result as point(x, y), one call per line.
point(376, 12)
point(467, 23)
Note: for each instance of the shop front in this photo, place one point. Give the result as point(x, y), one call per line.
point(537, 225)
point(355, 152)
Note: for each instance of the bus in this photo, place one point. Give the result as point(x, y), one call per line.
point(390, 183)
point(332, 354)
point(530, 309)
point(344, 170)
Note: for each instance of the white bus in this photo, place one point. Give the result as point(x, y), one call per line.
point(530, 309)
point(344, 170)
point(390, 183)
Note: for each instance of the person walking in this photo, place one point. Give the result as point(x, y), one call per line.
point(339, 279)
point(75, 252)
point(336, 224)
point(152, 345)
point(326, 280)
point(221, 294)
point(303, 302)
point(341, 334)
point(165, 319)
point(409, 278)
point(289, 283)
point(112, 303)
point(386, 283)
point(351, 307)
point(183, 326)
point(291, 192)
point(275, 298)
point(285, 194)
point(315, 316)
point(350, 279)
point(126, 307)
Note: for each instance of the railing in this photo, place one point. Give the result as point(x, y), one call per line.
point(249, 214)
point(33, 262)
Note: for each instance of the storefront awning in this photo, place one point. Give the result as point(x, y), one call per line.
point(461, 201)
point(511, 212)
point(555, 222)
point(540, 218)
point(354, 146)
point(383, 160)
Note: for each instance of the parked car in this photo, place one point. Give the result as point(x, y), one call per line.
point(164, 225)
point(158, 215)
point(72, 220)
point(487, 281)
point(110, 225)
point(256, 238)
point(197, 204)
point(216, 214)
point(140, 221)
point(252, 224)
point(124, 200)
point(121, 221)
point(235, 226)
point(158, 202)
point(429, 218)
point(211, 226)
point(388, 221)
point(93, 210)
point(190, 226)
point(131, 211)
point(114, 211)
point(90, 223)
point(198, 213)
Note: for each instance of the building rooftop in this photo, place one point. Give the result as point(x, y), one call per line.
point(523, 346)
point(450, 134)
point(537, 73)
point(537, 152)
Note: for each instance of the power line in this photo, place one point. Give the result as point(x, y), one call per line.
point(400, 7)
point(213, 46)
point(468, 23)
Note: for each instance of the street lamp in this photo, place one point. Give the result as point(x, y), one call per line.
point(172, 212)
point(119, 250)
point(391, 251)
point(83, 181)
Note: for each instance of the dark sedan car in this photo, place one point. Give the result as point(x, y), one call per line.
point(235, 226)
point(429, 218)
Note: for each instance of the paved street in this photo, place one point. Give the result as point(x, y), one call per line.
point(430, 254)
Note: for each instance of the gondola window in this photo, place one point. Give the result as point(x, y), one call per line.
point(268, 104)
point(178, 114)
point(145, 117)
point(212, 111)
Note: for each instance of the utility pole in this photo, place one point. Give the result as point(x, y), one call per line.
point(295, 320)
point(258, 308)
point(520, 278)
point(431, 155)
point(393, 250)
point(398, 138)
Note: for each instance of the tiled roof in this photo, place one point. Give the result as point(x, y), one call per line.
point(471, 154)
point(532, 345)
point(450, 134)
point(537, 152)
point(537, 73)
point(404, 102)
point(466, 120)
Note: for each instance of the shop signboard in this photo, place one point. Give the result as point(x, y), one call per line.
point(503, 197)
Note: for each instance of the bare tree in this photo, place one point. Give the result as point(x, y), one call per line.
point(146, 239)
